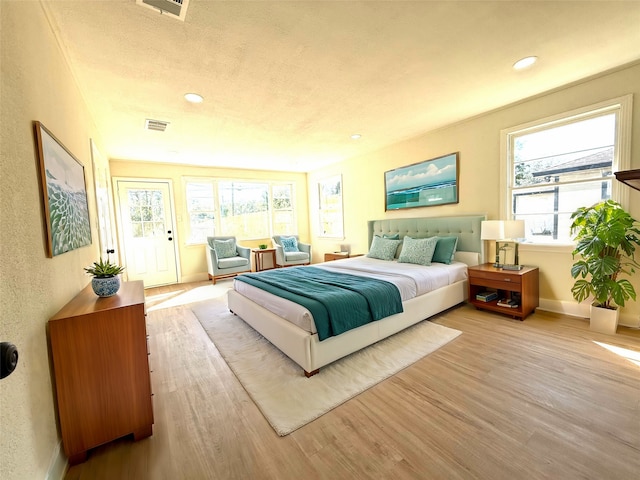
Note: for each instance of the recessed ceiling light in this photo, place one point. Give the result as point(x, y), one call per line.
point(193, 98)
point(356, 136)
point(525, 62)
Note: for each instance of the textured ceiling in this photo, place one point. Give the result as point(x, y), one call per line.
point(286, 83)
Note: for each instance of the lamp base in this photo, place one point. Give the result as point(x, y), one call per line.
point(512, 267)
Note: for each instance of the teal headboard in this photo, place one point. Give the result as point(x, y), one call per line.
point(466, 228)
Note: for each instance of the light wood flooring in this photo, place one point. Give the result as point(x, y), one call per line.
point(505, 400)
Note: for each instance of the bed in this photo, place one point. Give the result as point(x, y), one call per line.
point(266, 313)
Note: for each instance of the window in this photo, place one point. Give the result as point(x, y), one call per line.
point(557, 165)
point(330, 207)
point(245, 209)
point(201, 210)
point(283, 215)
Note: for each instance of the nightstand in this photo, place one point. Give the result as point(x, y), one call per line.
point(335, 256)
point(518, 285)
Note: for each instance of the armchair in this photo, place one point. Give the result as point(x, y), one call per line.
point(289, 252)
point(225, 258)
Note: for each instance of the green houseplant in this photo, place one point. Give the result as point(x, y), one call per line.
point(105, 282)
point(607, 237)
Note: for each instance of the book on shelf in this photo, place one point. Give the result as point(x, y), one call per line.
point(509, 303)
point(486, 296)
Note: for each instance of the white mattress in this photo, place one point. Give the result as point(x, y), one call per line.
point(411, 280)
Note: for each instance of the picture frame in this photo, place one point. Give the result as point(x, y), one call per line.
point(424, 184)
point(64, 195)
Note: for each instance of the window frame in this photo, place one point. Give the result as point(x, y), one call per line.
point(214, 181)
point(621, 106)
point(328, 212)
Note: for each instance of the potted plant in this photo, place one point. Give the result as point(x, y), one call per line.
point(606, 237)
point(106, 280)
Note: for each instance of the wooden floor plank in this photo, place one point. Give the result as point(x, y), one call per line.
point(506, 399)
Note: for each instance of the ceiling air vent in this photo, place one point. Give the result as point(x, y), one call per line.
point(157, 125)
point(172, 8)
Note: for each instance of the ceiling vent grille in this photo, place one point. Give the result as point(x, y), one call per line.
point(172, 8)
point(157, 125)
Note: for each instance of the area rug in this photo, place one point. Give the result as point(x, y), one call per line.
point(277, 385)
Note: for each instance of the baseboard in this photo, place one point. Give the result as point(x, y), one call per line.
point(582, 310)
point(58, 464)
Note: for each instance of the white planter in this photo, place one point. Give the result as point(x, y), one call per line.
point(604, 320)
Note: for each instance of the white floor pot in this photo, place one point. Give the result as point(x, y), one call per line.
point(604, 320)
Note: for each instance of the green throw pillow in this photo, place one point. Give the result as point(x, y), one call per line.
point(418, 250)
point(445, 249)
point(225, 248)
point(383, 248)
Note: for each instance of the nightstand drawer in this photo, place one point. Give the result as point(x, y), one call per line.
point(495, 276)
point(495, 284)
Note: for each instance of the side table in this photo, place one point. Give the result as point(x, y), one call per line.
point(260, 253)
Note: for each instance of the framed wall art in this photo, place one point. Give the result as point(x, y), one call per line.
point(64, 195)
point(424, 184)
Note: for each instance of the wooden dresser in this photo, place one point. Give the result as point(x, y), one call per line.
point(101, 369)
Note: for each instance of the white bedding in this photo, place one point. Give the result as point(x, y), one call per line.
point(411, 280)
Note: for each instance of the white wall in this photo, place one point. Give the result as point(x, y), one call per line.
point(36, 85)
point(478, 141)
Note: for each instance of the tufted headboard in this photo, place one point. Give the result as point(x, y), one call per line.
point(466, 228)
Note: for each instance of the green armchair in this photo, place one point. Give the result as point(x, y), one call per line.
point(225, 258)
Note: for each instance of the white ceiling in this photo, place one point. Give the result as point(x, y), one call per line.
point(286, 83)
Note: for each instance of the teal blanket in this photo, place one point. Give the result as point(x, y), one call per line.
point(337, 301)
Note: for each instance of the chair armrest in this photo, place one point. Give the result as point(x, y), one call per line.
point(279, 254)
point(244, 251)
point(305, 247)
point(212, 259)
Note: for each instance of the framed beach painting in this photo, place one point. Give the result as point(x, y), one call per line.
point(424, 184)
point(64, 195)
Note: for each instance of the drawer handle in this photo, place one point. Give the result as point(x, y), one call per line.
point(507, 280)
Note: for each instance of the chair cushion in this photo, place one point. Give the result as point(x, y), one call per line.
point(418, 250)
point(295, 256)
point(225, 248)
point(289, 244)
point(232, 262)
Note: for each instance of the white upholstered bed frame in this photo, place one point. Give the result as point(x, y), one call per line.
point(311, 354)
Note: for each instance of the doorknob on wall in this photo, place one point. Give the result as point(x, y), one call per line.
point(8, 358)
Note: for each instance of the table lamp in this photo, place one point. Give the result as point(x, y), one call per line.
point(513, 229)
point(493, 230)
point(504, 232)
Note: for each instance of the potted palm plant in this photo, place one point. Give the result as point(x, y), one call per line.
point(106, 280)
point(606, 237)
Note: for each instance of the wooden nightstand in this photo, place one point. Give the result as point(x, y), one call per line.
point(335, 256)
point(521, 285)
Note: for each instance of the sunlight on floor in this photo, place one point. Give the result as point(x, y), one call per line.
point(184, 297)
point(632, 356)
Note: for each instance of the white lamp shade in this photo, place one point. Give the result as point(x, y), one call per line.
point(492, 230)
point(514, 229)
